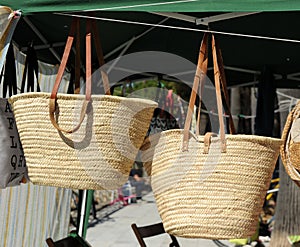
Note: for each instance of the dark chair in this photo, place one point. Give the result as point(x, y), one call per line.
point(296, 244)
point(150, 231)
point(71, 241)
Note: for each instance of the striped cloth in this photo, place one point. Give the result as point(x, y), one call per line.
point(46, 78)
point(30, 214)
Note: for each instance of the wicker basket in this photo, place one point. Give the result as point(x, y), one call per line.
point(211, 186)
point(97, 156)
point(215, 195)
point(290, 150)
point(81, 141)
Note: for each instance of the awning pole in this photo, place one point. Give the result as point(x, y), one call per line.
point(89, 202)
point(42, 38)
point(82, 213)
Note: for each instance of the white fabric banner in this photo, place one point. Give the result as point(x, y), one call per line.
point(8, 23)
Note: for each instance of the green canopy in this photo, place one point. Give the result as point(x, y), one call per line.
point(267, 36)
point(252, 34)
point(30, 6)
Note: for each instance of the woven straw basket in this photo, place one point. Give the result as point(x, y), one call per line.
point(81, 141)
point(97, 156)
point(211, 186)
point(215, 195)
point(290, 150)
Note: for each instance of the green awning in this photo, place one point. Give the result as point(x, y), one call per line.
point(33, 6)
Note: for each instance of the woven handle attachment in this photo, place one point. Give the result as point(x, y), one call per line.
point(200, 71)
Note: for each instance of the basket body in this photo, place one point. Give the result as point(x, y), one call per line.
point(97, 156)
point(212, 195)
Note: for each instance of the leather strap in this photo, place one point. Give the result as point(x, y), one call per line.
point(77, 59)
point(198, 122)
point(52, 102)
point(100, 57)
point(224, 88)
point(75, 72)
point(201, 65)
point(218, 95)
point(207, 141)
point(88, 52)
point(64, 60)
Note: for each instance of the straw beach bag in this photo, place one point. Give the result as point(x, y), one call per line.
point(290, 150)
point(80, 141)
point(211, 186)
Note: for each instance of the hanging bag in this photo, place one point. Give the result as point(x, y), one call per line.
point(290, 150)
point(81, 141)
point(211, 186)
point(162, 118)
point(13, 168)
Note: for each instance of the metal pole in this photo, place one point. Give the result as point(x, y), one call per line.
point(82, 213)
point(42, 38)
point(89, 202)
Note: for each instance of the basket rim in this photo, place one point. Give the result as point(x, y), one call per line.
point(235, 137)
point(95, 97)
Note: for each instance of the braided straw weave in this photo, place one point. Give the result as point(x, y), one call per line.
point(97, 156)
point(212, 195)
point(206, 186)
point(290, 150)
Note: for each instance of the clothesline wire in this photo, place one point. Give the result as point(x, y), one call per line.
point(284, 105)
point(292, 99)
point(181, 28)
point(287, 96)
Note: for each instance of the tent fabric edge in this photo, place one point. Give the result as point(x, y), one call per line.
point(38, 6)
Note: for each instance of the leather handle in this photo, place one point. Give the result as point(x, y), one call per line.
point(224, 88)
point(207, 141)
point(52, 102)
point(64, 59)
point(74, 84)
point(200, 70)
point(77, 59)
point(100, 57)
point(218, 95)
